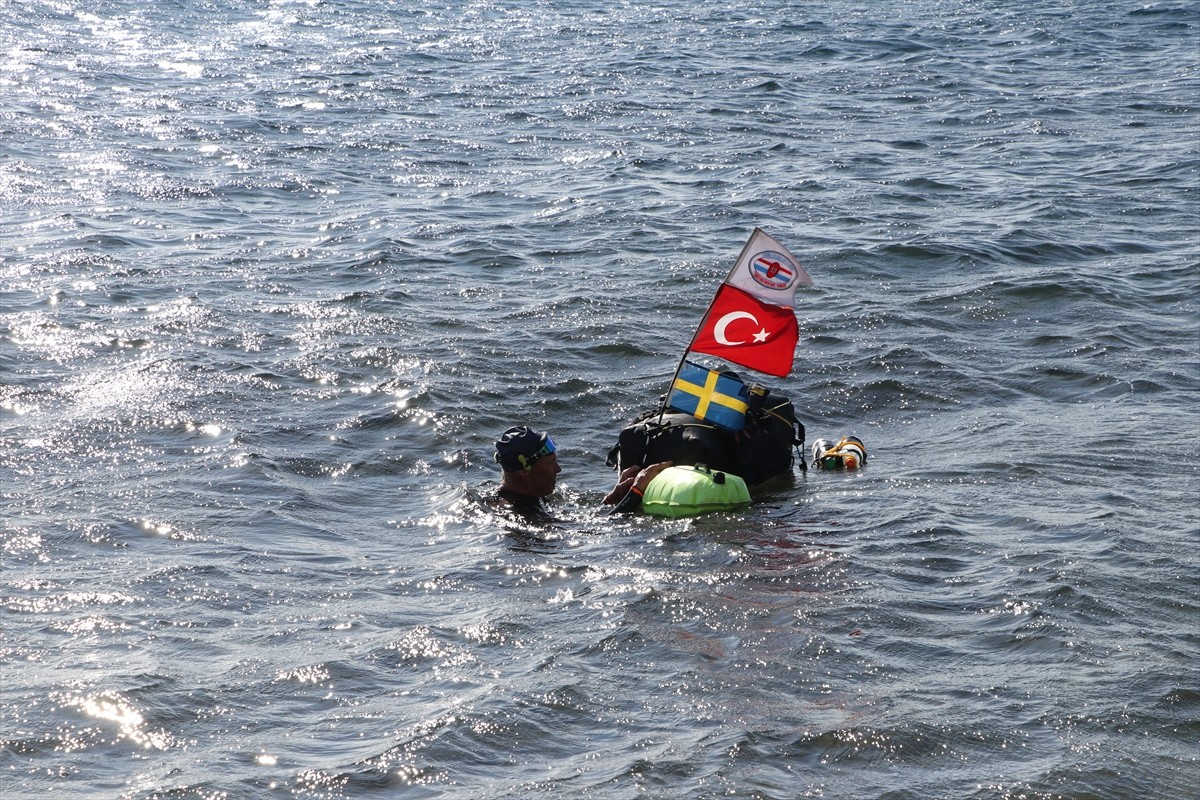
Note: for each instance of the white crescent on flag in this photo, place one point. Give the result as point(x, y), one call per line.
point(719, 330)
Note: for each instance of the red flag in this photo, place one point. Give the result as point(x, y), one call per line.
point(744, 330)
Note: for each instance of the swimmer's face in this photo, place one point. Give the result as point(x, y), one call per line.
point(543, 475)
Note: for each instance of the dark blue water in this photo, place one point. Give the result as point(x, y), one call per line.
point(275, 275)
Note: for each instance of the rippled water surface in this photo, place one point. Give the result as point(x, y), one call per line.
point(275, 275)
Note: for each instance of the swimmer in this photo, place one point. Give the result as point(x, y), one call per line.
point(529, 464)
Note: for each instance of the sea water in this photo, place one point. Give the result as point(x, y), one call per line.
point(275, 275)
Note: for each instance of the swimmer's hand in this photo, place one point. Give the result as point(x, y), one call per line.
point(634, 477)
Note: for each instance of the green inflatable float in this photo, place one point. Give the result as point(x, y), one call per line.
point(687, 491)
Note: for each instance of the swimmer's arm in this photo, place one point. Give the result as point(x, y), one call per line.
point(631, 486)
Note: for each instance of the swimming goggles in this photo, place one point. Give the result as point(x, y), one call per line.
point(546, 449)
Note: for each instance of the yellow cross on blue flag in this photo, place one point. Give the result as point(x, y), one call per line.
point(710, 396)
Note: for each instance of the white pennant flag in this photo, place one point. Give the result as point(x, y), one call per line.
point(766, 270)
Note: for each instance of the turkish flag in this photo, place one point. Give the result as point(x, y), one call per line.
point(742, 329)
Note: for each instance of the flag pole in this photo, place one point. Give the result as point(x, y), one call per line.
point(679, 368)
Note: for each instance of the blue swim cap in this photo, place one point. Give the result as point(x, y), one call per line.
point(519, 448)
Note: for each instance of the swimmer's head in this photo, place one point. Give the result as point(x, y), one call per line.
point(519, 448)
point(529, 462)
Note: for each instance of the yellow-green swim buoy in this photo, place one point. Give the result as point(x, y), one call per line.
point(687, 491)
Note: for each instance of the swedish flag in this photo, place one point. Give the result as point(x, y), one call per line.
point(710, 396)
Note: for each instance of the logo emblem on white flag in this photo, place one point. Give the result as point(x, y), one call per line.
point(766, 270)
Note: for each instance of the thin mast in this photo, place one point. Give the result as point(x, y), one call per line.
point(679, 368)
